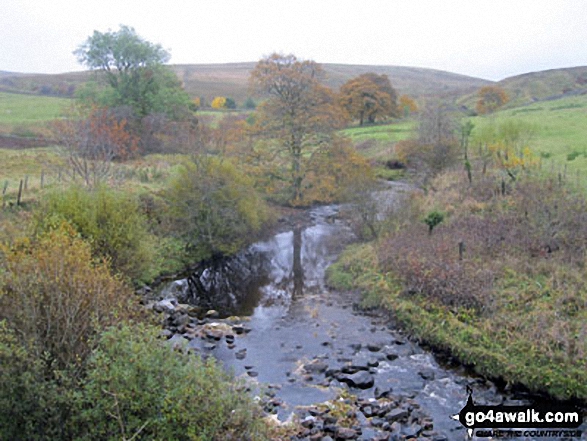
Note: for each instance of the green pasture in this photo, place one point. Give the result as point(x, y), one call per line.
point(560, 132)
point(377, 141)
point(27, 114)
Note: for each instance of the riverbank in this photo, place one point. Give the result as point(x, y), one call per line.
point(310, 354)
point(510, 305)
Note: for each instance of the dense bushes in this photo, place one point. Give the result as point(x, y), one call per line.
point(54, 301)
point(512, 300)
point(214, 208)
point(57, 298)
point(135, 384)
point(73, 367)
point(109, 220)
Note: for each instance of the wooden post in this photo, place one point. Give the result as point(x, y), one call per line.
point(461, 249)
point(4, 193)
point(502, 187)
point(19, 197)
point(26, 182)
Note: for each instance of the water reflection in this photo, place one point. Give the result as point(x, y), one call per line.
point(266, 278)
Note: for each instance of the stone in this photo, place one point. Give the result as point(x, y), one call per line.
point(315, 366)
point(367, 411)
point(359, 380)
point(240, 355)
point(373, 363)
point(396, 414)
point(346, 433)
point(238, 329)
point(308, 422)
point(391, 355)
point(212, 313)
point(374, 347)
point(166, 333)
point(411, 431)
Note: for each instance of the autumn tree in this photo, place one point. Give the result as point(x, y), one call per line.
point(218, 102)
point(134, 72)
point(90, 142)
point(298, 117)
point(490, 98)
point(369, 96)
point(407, 105)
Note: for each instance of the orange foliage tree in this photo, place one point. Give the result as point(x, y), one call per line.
point(299, 116)
point(369, 96)
point(92, 141)
point(490, 99)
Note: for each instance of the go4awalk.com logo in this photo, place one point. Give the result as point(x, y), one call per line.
point(536, 420)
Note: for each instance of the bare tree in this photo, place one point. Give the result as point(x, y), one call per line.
point(91, 142)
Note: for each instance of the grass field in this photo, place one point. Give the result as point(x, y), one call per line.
point(26, 114)
point(376, 142)
point(560, 132)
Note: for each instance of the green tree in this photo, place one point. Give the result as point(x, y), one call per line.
point(134, 71)
point(214, 207)
point(250, 103)
point(230, 103)
point(300, 114)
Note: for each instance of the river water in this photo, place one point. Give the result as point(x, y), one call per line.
point(293, 319)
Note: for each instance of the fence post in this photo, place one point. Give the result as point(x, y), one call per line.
point(4, 193)
point(461, 249)
point(18, 199)
point(26, 182)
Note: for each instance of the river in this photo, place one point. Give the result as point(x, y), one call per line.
point(300, 337)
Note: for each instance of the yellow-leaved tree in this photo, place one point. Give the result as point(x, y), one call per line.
point(219, 102)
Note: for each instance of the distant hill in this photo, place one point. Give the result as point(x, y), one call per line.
point(231, 80)
point(539, 86)
point(210, 80)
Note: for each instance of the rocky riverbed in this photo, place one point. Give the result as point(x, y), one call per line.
point(309, 353)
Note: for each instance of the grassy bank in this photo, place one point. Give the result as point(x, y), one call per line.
point(514, 306)
point(559, 133)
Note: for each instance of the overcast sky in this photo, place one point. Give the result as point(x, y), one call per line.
point(491, 39)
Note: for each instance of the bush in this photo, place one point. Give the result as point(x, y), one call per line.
point(214, 207)
point(138, 385)
point(57, 298)
point(110, 221)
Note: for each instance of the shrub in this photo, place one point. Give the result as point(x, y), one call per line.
point(31, 406)
point(138, 385)
point(109, 220)
point(214, 207)
point(56, 297)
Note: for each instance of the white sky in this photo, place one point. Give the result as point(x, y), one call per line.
point(491, 39)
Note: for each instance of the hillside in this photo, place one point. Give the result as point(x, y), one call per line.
point(210, 80)
point(539, 86)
